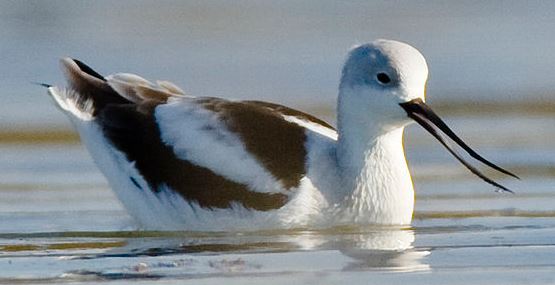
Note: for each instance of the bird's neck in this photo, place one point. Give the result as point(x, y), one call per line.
point(376, 180)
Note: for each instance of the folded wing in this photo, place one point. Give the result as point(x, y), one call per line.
point(213, 152)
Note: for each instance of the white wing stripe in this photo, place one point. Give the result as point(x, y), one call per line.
point(317, 128)
point(198, 136)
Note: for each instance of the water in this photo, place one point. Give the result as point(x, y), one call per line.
point(490, 79)
point(61, 223)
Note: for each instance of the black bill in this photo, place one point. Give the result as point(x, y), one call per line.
point(423, 115)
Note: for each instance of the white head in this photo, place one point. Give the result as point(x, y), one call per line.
point(376, 78)
point(382, 88)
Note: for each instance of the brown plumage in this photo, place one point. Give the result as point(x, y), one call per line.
point(124, 108)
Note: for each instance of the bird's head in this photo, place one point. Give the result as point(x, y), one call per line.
point(383, 88)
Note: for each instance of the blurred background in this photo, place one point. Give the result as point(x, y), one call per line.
point(291, 52)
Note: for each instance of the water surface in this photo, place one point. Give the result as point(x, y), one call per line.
point(61, 223)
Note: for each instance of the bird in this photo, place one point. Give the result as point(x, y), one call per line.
point(181, 162)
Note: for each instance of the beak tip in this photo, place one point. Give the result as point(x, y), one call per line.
point(505, 190)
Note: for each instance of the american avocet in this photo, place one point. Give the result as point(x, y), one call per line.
point(199, 163)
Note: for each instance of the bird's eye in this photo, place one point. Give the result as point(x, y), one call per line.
point(383, 78)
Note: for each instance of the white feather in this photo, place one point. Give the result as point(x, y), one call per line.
point(66, 100)
point(317, 128)
point(198, 135)
point(170, 87)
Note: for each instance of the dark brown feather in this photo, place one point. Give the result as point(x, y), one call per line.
point(90, 85)
point(290, 112)
point(277, 144)
point(133, 131)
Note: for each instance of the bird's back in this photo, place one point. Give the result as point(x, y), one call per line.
point(174, 156)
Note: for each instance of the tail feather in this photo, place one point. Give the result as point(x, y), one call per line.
point(87, 69)
point(73, 103)
point(89, 92)
point(138, 90)
point(42, 84)
point(89, 85)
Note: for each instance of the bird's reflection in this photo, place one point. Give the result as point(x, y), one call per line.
point(386, 249)
point(363, 248)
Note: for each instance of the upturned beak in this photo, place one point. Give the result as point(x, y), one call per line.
point(423, 115)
